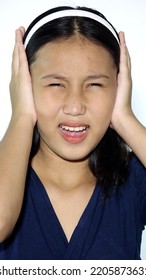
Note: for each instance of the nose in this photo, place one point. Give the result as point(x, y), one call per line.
point(74, 105)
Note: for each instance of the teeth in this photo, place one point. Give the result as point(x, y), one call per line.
point(71, 128)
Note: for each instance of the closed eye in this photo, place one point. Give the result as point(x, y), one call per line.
point(55, 85)
point(96, 85)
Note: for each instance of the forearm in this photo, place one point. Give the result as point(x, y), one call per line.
point(14, 156)
point(134, 134)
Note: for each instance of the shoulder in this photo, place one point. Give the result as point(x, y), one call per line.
point(135, 183)
point(136, 168)
point(137, 179)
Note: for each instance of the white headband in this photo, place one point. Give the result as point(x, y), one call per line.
point(68, 13)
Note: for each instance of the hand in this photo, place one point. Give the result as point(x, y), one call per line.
point(122, 105)
point(20, 84)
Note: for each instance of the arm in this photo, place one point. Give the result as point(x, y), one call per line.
point(16, 144)
point(123, 119)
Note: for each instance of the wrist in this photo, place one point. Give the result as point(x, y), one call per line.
point(23, 119)
point(120, 119)
point(21, 125)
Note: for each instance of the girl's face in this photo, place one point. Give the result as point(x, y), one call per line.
point(74, 84)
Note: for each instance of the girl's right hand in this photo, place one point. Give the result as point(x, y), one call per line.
point(20, 85)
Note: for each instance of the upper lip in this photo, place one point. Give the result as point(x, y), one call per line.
point(72, 124)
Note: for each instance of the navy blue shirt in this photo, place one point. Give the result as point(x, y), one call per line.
point(106, 230)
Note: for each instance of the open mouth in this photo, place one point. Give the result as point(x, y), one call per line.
point(74, 134)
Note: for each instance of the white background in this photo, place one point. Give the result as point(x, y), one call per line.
point(126, 15)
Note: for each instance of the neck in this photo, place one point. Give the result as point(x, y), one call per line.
point(62, 173)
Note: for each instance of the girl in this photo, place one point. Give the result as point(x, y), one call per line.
point(70, 187)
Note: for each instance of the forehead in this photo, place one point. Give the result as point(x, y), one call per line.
point(70, 44)
point(76, 50)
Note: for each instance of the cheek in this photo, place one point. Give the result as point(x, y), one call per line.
point(47, 107)
point(101, 116)
point(103, 106)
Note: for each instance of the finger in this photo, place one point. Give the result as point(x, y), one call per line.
point(23, 63)
point(125, 62)
point(122, 37)
point(127, 53)
point(125, 57)
point(19, 60)
point(124, 76)
point(22, 29)
point(16, 53)
point(21, 55)
point(128, 59)
point(15, 57)
point(123, 49)
point(19, 36)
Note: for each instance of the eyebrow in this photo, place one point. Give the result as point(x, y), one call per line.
point(54, 76)
point(60, 77)
point(94, 77)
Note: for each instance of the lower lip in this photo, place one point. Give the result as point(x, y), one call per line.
point(73, 137)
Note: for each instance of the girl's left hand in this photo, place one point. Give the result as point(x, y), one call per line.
point(122, 105)
point(123, 120)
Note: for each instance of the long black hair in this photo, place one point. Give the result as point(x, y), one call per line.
point(109, 160)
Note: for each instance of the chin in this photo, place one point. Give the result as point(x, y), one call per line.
point(75, 157)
